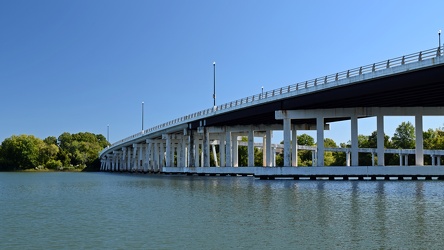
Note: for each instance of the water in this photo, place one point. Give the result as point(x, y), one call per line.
point(131, 211)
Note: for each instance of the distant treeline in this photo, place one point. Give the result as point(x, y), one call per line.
point(73, 152)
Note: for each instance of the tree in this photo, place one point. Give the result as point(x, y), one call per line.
point(21, 152)
point(305, 156)
point(404, 136)
point(329, 157)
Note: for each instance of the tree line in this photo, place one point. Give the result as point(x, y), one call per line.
point(78, 151)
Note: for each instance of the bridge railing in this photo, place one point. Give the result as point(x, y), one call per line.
point(272, 94)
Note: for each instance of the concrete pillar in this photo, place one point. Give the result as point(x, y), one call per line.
point(196, 152)
point(273, 156)
point(235, 150)
point(191, 150)
point(228, 162)
point(264, 151)
point(162, 160)
point(206, 147)
point(380, 139)
point(222, 150)
point(419, 149)
point(183, 152)
point(354, 140)
point(156, 156)
point(135, 163)
point(167, 139)
point(433, 159)
point(251, 148)
point(148, 158)
point(141, 157)
point(294, 147)
point(313, 158)
point(320, 140)
point(213, 147)
point(406, 159)
point(128, 159)
point(269, 160)
point(287, 139)
point(400, 158)
point(347, 158)
point(123, 159)
point(373, 158)
point(438, 160)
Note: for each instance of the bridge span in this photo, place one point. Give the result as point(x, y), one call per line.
point(411, 85)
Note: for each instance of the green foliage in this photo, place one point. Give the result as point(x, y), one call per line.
point(404, 136)
point(305, 156)
point(26, 151)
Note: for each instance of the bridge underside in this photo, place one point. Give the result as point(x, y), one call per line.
point(417, 88)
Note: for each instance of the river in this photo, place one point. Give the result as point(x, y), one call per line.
point(135, 211)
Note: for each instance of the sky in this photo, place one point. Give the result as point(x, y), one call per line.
point(86, 66)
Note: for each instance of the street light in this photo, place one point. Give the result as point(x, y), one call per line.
point(214, 84)
point(439, 42)
point(107, 133)
point(262, 96)
point(142, 115)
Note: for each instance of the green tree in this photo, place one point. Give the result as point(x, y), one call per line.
point(404, 136)
point(21, 152)
point(305, 156)
point(329, 157)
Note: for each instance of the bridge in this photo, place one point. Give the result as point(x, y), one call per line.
point(410, 85)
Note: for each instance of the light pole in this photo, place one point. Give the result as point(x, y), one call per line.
point(142, 114)
point(214, 84)
point(439, 42)
point(262, 96)
point(107, 133)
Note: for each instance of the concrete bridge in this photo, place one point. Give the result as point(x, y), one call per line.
point(410, 85)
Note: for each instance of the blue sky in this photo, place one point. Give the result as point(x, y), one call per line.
point(77, 66)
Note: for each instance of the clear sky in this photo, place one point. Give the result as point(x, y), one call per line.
point(77, 66)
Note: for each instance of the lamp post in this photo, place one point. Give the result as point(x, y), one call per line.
point(107, 133)
point(262, 96)
point(439, 42)
point(142, 114)
point(214, 84)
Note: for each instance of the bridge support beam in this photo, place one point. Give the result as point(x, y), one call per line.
point(294, 147)
point(206, 147)
point(380, 139)
point(320, 140)
point(419, 142)
point(268, 152)
point(228, 162)
point(251, 148)
point(222, 149)
point(354, 141)
point(287, 139)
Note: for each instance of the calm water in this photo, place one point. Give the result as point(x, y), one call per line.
point(124, 211)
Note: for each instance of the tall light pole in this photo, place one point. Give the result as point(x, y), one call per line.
point(214, 84)
point(107, 133)
point(142, 114)
point(439, 41)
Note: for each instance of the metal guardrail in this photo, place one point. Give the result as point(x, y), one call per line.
point(247, 101)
